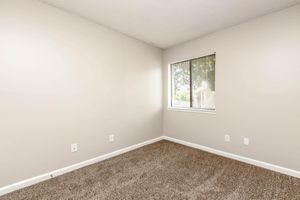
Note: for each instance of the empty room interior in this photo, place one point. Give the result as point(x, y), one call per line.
point(149, 100)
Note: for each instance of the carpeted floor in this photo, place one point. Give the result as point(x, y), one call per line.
point(165, 170)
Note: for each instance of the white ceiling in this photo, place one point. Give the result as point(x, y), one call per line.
point(165, 23)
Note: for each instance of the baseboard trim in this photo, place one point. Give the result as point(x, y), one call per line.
point(251, 161)
point(37, 179)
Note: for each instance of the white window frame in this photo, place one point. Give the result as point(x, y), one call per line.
point(189, 109)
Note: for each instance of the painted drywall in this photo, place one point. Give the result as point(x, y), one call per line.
point(167, 23)
point(257, 90)
point(66, 80)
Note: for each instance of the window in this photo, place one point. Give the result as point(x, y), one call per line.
point(193, 83)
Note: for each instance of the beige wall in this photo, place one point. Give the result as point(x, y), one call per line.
point(65, 80)
point(257, 90)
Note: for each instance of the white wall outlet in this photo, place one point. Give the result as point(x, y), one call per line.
point(74, 147)
point(246, 141)
point(111, 137)
point(227, 138)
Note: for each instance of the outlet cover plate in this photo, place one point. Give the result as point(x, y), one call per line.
point(74, 148)
point(227, 138)
point(111, 138)
point(246, 141)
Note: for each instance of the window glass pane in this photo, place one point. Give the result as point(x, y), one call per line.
point(203, 82)
point(180, 84)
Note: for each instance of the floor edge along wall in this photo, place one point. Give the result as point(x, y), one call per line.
point(40, 178)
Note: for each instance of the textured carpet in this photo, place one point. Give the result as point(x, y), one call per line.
point(165, 170)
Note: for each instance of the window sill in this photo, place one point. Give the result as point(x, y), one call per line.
point(193, 110)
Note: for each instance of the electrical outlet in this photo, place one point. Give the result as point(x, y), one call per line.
point(74, 147)
point(246, 141)
point(227, 138)
point(111, 138)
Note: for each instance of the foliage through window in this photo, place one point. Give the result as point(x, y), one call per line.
point(193, 83)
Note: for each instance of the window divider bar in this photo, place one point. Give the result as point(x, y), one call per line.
point(171, 74)
point(191, 84)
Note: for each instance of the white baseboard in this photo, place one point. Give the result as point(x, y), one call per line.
point(37, 179)
point(43, 177)
point(265, 165)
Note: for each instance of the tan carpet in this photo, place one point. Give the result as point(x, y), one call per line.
point(165, 170)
